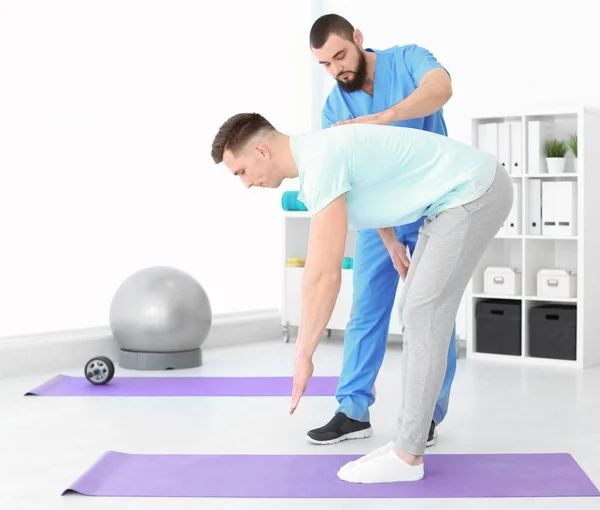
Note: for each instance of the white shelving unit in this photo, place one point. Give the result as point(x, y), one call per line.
point(296, 227)
point(526, 245)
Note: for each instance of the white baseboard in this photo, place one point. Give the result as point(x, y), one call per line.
point(43, 353)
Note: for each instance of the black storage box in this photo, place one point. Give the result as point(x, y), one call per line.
point(498, 326)
point(553, 331)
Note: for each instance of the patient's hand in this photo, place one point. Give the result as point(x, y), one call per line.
point(399, 257)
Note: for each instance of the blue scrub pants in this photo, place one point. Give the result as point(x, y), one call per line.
point(375, 286)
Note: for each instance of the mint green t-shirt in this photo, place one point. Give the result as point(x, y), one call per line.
point(391, 175)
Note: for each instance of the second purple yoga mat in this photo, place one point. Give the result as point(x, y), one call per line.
point(314, 476)
point(67, 386)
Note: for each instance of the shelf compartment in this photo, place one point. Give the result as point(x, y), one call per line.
point(550, 330)
point(498, 326)
point(548, 254)
point(540, 128)
point(501, 252)
point(547, 203)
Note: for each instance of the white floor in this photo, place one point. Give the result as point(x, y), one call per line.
point(46, 443)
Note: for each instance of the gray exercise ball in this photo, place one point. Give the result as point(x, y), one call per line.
point(160, 317)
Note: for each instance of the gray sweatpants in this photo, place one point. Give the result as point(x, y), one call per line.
point(448, 250)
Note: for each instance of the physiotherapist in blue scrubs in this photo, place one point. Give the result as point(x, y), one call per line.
point(400, 86)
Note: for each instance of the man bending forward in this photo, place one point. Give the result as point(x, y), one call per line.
point(377, 177)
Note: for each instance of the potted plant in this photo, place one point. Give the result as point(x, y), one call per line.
point(572, 143)
point(555, 151)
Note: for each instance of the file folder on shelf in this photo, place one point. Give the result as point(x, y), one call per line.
point(516, 146)
point(534, 207)
point(504, 145)
point(512, 225)
point(487, 138)
point(559, 208)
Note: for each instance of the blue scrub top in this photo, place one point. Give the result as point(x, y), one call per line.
point(398, 71)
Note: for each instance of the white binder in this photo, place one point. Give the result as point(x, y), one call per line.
point(487, 138)
point(512, 225)
point(559, 208)
point(534, 207)
point(516, 146)
point(504, 144)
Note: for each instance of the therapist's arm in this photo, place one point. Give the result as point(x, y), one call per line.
point(388, 236)
point(322, 274)
point(433, 92)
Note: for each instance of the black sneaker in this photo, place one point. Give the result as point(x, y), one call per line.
point(339, 428)
point(432, 434)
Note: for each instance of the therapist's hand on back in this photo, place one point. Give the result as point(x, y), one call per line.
point(399, 257)
point(382, 118)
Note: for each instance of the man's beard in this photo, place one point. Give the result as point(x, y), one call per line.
point(360, 75)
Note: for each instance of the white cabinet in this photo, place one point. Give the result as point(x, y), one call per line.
point(295, 235)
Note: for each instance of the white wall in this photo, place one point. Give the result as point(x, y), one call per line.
point(107, 114)
point(511, 54)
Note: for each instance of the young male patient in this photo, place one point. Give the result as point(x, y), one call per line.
point(377, 177)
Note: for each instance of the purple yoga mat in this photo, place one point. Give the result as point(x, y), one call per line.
point(315, 476)
point(67, 386)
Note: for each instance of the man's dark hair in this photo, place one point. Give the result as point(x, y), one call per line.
point(327, 25)
point(235, 133)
